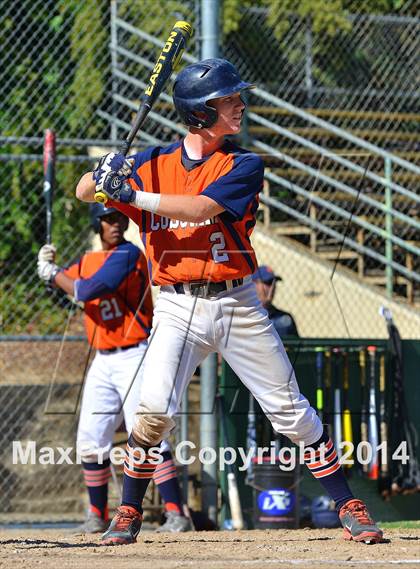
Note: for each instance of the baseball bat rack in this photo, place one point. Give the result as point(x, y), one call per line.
point(353, 387)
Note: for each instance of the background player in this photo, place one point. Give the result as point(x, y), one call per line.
point(113, 284)
point(195, 203)
point(265, 283)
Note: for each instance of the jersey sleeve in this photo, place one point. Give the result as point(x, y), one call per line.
point(235, 190)
point(72, 271)
point(109, 277)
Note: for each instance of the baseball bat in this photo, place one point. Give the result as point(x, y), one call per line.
point(337, 401)
point(327, 394)
point(233, 492)
point(382, 414)
point(49, 178)
point(373, 469)
point(319, 361)
point(363, 409)
point(167, 62)
point(251, 438)
point(347, 426)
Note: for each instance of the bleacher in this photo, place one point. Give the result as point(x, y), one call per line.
point(402, 142)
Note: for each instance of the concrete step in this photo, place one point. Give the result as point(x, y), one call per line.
point(334, 254)
point(348, 176)
point(322, 133)
point(290, 229)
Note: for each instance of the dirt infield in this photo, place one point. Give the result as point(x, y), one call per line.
point(208, 550)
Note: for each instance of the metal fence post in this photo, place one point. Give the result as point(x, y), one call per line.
point(197, 34)
point(308, 62)
point(388, 226)
point(114, 66)
point(209, 29)
point(208, 422)
point(208, 435)
point(184, 437)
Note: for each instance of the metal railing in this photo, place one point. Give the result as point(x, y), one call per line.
point(375, 203)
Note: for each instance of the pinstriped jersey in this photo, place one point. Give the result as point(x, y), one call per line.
point(217, 249)
point(114, 286)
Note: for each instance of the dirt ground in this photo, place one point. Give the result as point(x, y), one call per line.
point(208, 550)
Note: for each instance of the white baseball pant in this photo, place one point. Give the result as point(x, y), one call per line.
point(110, 394)
point(187, 328)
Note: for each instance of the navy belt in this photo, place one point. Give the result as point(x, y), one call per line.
point(118, 349)
point(204, 288)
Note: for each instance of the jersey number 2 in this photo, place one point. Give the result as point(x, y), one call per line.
point(218, 240)
point(109, 309)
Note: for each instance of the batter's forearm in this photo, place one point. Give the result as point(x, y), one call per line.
point(85, 189)
point(183, 208)
point(65, 283)
point(188, 208)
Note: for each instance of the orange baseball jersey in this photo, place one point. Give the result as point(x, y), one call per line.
point(217, 249)
point(114, 286)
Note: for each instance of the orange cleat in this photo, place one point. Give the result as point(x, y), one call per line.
point(357, 523)
point(124, 527)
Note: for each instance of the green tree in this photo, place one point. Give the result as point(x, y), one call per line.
point(327, 17)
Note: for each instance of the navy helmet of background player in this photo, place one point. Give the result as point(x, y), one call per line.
point(98, 212)
point(113, 284)
point(212, 186)
point(265, 281)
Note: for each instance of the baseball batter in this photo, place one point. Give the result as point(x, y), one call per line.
point(195, 203)
point(113, 284)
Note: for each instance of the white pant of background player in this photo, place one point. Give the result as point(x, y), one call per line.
point(113, 379)
point(187, 328)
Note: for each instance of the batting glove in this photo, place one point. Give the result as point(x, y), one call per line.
point(111, 177)
point(47, 253)
point(47, 269)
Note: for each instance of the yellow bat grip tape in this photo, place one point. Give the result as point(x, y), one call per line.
point(100, 197)
point(184, 26)
point(319, 399)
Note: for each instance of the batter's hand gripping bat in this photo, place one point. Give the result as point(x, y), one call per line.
point(166, 63)
point(233, 492)
point(49, 178)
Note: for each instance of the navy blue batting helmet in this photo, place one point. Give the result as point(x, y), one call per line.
point(198, 83)
point(98, 210)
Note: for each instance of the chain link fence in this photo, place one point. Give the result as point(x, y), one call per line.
point(79, 68)
point(42, 347)
point(361, 74)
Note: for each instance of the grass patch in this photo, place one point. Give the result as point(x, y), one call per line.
point(409, 524)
